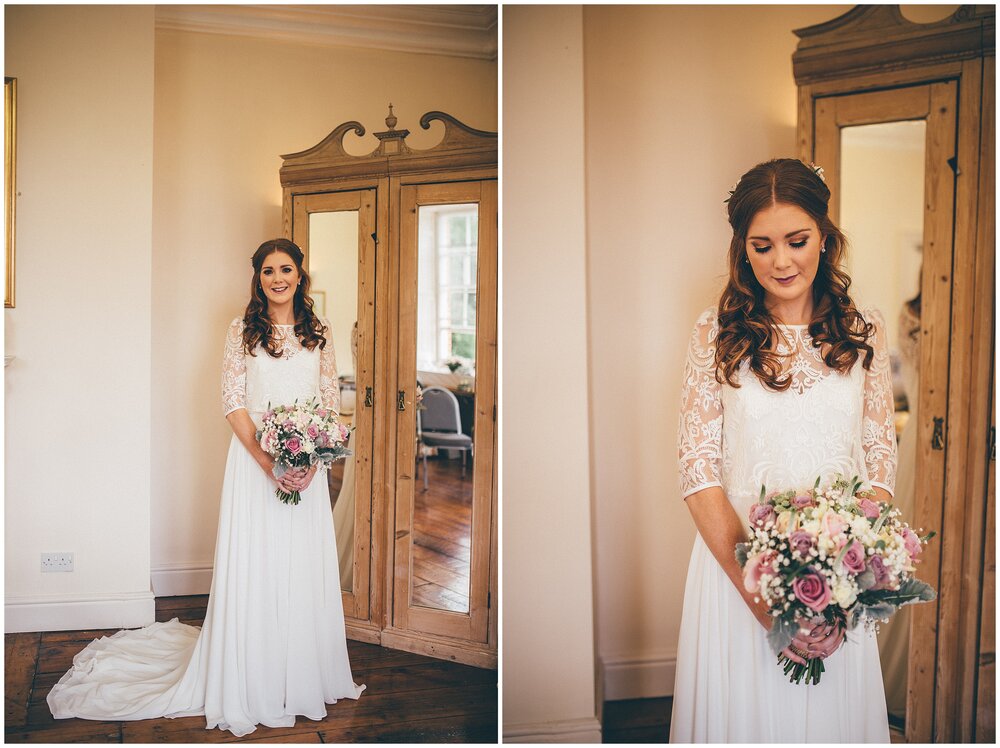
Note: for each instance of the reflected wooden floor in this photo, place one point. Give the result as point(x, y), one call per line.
point(410, 698)
point(442, 535)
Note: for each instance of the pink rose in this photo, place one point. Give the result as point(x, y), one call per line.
point(762, 563)
point(322, 412)
point(802, 541)
point(869, 508)
point(293, 445)
point(912, 543)
point(854, 558)
point(812, 590)
point(800, 502)
point(313, 431)
point(761, 514)
point(288, 424)
point(832, 524)
point(877, 566)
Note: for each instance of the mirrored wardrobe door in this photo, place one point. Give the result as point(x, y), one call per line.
point(446, 409)
point(886, 160)
point(335, 231)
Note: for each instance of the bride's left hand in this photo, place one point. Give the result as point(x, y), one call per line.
point(301, 482)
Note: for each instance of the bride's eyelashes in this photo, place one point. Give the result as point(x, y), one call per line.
point(795, 245)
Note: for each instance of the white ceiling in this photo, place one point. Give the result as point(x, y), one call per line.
point(453, 30)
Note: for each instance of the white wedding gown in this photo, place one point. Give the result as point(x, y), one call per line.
point(729, 687)
point(273, 643)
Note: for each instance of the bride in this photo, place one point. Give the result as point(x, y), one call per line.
point(273, 644)
point(784, 381)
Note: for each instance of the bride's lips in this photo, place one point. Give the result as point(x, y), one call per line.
point(788, 280)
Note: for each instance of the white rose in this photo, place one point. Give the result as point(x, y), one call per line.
point(844, 594)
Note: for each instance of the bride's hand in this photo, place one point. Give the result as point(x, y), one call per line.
point(819, 640)
point(298, 479)
point(306, 479)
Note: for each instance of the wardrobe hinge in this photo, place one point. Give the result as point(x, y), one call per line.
point(489, 600)
point(375, 237)
point(953, 163)
point(993, 443)
point(369, 397)
point(494, 413)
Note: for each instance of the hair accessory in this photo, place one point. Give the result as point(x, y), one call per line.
point(818, 171)
point(733, 192)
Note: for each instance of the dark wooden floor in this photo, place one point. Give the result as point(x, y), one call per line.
point(442, 536)
point(636, 721)
point(409, 699)
point(648, 721)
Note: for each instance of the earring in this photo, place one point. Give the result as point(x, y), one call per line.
point(823, 250)
point(746, 260)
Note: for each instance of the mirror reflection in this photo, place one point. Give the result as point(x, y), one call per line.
point(333, 268)
point(447, 246)
point(882, 213)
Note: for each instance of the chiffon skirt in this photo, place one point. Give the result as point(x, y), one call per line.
point(730, 689)
point(273, 645)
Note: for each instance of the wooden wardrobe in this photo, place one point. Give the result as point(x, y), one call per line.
point(384, 198)
point(869, 66)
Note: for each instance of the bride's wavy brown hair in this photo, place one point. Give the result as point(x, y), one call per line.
point(257, 327)
point(747, 331)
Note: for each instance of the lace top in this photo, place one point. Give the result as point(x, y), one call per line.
point(826, 422)
point(255, 382)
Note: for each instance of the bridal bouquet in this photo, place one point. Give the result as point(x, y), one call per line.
point(828, 557)
point(301, 436)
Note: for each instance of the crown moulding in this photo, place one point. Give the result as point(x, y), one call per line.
point(878, 37)
point(453, 31)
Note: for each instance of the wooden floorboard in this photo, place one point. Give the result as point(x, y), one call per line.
point(409, 698)
point(442, 537)
point(637, 721)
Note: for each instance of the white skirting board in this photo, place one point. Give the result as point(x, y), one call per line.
point(645, 676)
point(77, 612)
point(169, 580)
point(586, 730)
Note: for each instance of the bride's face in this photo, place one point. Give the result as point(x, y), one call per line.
point(279, 277)
point(783, 246)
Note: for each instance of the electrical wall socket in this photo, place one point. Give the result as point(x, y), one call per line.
point(57, 562)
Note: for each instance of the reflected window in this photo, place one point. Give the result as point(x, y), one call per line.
point(447, 281)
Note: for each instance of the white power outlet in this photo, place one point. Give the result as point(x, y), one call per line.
point(57, 562)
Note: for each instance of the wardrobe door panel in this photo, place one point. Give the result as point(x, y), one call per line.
point(335, 231)
point(445, 416)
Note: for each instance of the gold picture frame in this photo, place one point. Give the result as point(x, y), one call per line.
point(10, 190)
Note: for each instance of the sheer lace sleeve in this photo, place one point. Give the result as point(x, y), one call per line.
point(329, 384)
point(699, 437)
point(878, 433)
point(234, 372)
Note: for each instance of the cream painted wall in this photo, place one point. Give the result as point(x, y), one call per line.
point(680, 101)
point(77, 418)
point(548, 608)
point(226, 108)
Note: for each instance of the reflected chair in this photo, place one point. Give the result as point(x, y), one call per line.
point(439, 424)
